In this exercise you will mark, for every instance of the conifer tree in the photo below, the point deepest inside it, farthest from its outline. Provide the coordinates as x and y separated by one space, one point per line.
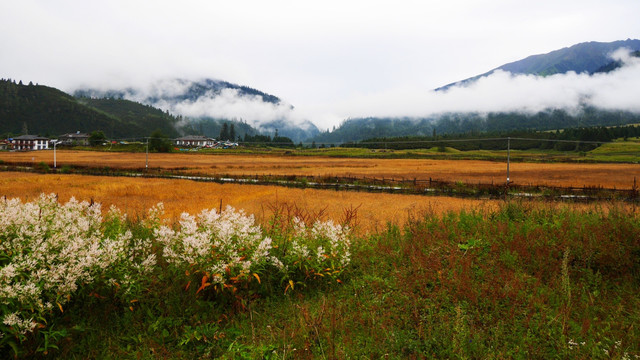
224 133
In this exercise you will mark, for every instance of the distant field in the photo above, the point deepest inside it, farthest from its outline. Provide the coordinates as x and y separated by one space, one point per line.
620 176
135 196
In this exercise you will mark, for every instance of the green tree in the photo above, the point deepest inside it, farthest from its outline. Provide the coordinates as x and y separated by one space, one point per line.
232 133
159 142
224 132
96 138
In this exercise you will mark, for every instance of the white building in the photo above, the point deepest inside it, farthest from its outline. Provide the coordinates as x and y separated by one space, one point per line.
195 141
30 142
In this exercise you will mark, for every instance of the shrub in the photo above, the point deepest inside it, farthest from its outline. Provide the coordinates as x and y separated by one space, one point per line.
51 253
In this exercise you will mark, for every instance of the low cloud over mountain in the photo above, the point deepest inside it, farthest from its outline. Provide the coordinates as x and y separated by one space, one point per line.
215 99
503 91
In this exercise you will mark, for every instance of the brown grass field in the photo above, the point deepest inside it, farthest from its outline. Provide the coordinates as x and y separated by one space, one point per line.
134 196
620 176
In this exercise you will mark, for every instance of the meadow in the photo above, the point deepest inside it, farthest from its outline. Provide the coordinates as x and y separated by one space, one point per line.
135 196
608 175
98 269
520 281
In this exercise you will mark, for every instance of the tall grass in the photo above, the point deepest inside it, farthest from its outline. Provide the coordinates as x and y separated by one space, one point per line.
522 281
519 282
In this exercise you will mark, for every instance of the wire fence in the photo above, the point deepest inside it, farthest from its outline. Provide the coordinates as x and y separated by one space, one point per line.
382 143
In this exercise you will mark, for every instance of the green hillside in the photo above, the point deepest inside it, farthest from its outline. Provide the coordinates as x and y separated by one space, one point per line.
614 64
585 57
135 114
48 111
212 127
465 123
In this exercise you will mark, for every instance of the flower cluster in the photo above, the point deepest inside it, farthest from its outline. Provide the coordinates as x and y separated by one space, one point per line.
52 252
49 252
324 243
221 245
318 250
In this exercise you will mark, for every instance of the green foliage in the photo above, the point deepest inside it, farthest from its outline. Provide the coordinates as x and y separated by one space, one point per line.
46 110
212 127
133 114
473 125
523 281
97 138
42 167
224 132
266 140
566 140
159 142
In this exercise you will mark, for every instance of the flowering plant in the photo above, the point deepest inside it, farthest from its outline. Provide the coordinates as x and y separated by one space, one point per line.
311 252
51 253
222 248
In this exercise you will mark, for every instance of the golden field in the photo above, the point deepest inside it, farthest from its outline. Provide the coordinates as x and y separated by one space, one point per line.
620 176
134 196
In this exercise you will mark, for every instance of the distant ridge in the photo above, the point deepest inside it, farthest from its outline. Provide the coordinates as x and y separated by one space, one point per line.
177 94
48 111
584 57
189 90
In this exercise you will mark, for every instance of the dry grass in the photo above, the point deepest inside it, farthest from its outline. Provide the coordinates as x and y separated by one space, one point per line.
620 176
135 196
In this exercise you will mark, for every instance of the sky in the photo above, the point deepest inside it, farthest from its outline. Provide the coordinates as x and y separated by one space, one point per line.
331 60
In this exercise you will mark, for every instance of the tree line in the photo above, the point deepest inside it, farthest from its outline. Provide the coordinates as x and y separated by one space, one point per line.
572 139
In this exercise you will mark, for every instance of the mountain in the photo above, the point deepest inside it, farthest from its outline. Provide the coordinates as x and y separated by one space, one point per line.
206 103
585 57
48 111
300 131
616 64
130 112
211 127
459 123
175 91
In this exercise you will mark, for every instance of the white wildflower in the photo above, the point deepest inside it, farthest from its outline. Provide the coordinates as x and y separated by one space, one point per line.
20 325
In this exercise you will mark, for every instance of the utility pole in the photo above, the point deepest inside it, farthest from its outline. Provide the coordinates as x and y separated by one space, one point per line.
146 165
508 157
54 154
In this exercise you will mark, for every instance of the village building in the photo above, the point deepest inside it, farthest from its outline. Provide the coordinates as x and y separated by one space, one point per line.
30 142
195 141
4 144
76 138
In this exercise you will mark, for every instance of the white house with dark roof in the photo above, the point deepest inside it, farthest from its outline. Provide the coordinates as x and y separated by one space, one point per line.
195 141
30 142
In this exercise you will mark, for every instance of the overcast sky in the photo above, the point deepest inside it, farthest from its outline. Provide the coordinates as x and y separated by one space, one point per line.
330 59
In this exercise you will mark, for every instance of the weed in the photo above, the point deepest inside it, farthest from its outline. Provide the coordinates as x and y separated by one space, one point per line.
516 282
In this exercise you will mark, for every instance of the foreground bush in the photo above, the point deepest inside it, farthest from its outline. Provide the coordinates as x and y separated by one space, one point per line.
52 254
524 281
527 281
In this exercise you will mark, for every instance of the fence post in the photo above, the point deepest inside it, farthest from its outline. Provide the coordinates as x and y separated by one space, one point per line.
508 157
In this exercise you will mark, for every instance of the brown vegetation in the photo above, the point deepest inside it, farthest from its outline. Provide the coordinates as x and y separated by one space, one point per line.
620 176
134 196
